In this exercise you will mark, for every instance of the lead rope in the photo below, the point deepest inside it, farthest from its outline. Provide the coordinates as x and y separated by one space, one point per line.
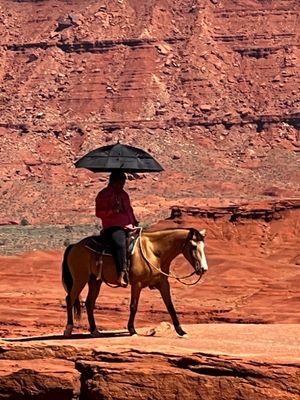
168 275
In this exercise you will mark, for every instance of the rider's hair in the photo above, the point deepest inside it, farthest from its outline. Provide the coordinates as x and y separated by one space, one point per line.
117 176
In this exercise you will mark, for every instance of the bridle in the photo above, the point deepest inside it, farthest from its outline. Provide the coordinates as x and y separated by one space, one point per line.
193 232
190 235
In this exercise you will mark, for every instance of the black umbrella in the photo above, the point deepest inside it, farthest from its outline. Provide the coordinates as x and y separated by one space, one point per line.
119 157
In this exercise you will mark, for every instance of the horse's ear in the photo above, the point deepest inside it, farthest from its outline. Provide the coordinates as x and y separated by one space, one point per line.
203 232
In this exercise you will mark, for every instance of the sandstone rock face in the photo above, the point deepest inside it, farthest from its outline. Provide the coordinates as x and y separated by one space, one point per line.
38 378
210 88
85 368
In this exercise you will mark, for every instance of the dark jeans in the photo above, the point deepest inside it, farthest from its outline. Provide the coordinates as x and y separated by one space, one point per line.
116 238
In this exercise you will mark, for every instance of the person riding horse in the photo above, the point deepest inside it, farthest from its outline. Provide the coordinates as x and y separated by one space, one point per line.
114 208
150 267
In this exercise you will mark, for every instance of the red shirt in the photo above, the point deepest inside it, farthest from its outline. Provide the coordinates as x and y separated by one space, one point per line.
114 208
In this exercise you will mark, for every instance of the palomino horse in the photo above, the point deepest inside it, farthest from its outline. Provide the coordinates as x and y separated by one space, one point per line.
150 266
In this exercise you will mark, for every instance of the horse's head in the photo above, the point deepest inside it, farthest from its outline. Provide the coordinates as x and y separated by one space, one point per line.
193 250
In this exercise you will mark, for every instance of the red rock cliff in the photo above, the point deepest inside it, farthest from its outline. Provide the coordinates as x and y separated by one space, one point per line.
210 88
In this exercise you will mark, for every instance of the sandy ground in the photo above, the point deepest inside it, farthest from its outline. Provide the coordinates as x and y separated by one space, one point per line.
273 343
250 280
242 321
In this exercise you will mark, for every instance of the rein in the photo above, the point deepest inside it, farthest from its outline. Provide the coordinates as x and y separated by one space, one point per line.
170 275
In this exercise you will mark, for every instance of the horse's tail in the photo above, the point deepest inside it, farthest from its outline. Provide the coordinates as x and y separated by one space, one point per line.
67 281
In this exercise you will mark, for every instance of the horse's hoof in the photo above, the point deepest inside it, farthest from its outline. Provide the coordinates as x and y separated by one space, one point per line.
96 333
68 331
181 332
184 336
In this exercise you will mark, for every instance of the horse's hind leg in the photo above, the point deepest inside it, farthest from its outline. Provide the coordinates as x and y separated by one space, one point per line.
94 289
69 327
72 300
135 295
164 288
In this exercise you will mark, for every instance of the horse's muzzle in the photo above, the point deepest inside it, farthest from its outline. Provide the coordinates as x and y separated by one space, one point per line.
199 270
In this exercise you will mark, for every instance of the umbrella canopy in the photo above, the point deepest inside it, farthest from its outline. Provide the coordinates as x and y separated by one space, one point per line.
119 157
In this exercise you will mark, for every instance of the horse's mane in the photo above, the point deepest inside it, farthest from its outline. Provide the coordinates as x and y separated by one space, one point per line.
166 230
191 231
169 229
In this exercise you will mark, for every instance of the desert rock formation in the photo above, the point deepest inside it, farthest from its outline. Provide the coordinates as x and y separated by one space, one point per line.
210 88
185 369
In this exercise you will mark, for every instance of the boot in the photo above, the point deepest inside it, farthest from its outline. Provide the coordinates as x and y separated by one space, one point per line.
122 279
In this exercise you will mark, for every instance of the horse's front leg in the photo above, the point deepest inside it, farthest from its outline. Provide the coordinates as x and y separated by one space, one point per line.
135 295
93 292
164 288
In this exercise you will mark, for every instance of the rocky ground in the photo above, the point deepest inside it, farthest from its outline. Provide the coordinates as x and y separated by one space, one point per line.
226 363
15 239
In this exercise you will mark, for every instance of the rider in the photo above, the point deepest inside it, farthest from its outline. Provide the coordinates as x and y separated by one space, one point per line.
114 208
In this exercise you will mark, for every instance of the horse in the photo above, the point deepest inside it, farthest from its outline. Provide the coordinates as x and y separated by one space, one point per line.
150 267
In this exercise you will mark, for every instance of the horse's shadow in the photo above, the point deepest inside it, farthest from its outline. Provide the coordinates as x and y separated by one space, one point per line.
75 336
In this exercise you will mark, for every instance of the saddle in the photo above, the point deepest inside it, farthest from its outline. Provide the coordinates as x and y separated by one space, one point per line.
98 245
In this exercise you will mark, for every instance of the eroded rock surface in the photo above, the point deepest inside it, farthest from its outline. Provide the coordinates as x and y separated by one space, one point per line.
215 362
210 88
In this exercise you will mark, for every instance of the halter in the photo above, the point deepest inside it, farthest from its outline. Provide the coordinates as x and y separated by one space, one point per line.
190 235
